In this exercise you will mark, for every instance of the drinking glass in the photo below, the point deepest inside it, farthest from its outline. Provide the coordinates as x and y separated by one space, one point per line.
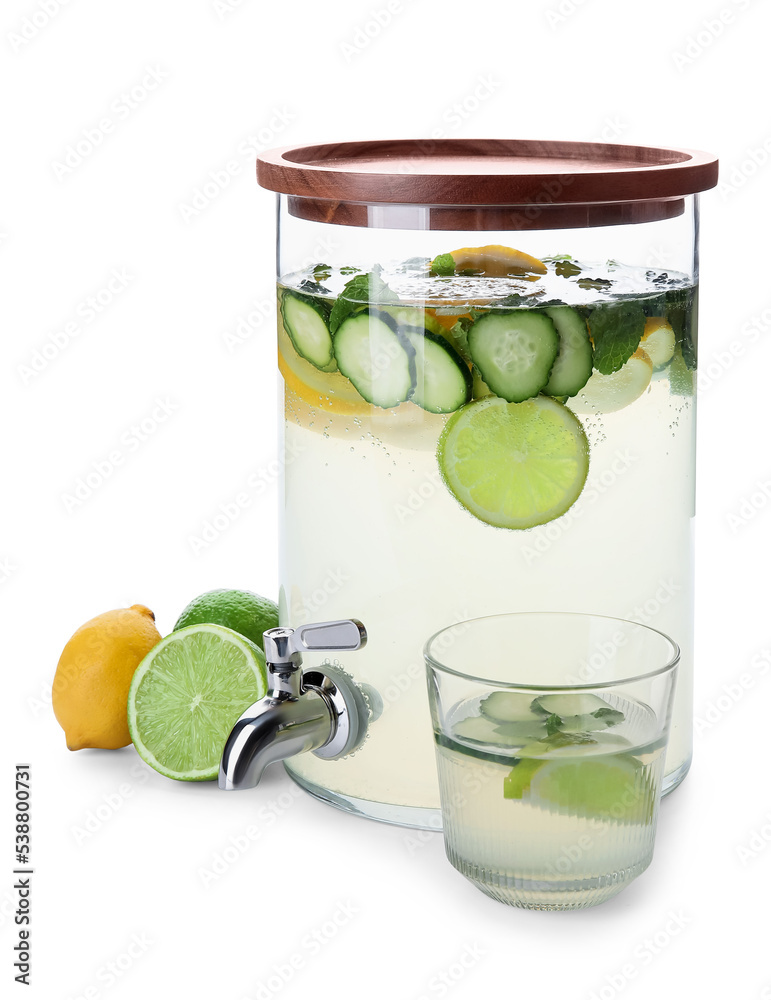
550 733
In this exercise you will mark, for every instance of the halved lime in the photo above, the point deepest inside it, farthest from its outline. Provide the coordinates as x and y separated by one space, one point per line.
186 696
514 465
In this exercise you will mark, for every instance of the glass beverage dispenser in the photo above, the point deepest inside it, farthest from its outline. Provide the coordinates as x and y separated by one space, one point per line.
488 367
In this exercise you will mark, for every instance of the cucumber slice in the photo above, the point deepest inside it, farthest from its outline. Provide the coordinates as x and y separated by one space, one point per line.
508 706
478 729
573 366
379 363
306 324
591 722
566 705
514 352
504 734
658 341
442 379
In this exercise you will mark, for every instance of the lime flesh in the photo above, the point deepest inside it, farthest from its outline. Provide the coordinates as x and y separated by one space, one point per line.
186 696
514 465
604 788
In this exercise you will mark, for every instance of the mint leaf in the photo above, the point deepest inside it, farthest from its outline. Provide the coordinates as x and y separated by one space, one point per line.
349 269
616 330
459 334
553 724
358 293
566 269
312 287
681 315
443 265
598 283
610 716
321 272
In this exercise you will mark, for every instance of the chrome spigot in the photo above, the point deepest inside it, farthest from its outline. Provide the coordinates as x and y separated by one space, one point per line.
321 710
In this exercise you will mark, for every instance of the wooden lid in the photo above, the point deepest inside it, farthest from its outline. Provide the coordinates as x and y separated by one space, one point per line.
475 183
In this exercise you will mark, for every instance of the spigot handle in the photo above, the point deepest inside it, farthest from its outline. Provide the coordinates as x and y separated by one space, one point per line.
340 635
286 645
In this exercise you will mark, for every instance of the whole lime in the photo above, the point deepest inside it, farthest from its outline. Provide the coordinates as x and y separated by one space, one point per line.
243 611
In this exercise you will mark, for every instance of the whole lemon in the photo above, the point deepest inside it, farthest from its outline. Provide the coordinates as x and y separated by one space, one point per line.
92 681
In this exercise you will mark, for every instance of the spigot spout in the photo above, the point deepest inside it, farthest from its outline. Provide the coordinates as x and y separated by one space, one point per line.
271 730
319 711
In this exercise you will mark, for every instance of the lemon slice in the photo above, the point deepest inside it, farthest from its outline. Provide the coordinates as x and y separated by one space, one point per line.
658 341
495 261
514 465
608 393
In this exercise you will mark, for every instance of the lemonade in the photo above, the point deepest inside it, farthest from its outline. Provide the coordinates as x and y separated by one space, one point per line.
479 433
551 820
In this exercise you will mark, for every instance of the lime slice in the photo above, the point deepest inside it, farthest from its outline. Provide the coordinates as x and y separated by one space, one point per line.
186 696
609 787
514 465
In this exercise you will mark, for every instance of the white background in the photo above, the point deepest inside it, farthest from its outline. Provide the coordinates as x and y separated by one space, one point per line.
118 850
